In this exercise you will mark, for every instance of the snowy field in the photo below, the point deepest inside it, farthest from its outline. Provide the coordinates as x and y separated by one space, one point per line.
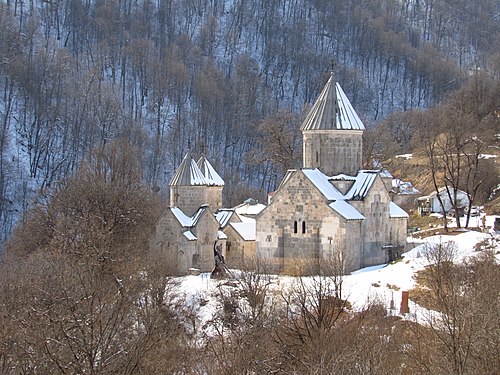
381 283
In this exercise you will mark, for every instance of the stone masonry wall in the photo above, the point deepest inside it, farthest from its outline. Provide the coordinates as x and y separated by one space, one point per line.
239 253
206 231
177 251
333 151
399 229
376 230
291 229
344 237
162 244
213 197
188 198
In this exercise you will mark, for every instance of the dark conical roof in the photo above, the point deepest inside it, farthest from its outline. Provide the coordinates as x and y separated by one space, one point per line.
188 173
332 111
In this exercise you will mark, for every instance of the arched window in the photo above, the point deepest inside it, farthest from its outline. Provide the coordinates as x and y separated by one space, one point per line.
317 157
303 227
295 226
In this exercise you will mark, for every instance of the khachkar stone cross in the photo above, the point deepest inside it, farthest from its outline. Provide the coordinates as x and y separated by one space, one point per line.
220 269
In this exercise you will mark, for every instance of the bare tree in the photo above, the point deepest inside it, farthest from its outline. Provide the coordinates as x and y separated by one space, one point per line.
88 297
312 316
454 138
459 331
248 307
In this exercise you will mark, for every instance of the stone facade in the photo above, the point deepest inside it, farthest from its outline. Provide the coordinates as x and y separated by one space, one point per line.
182 251
333 151
330 210
190 198
288 228
300 227
187 231
239 252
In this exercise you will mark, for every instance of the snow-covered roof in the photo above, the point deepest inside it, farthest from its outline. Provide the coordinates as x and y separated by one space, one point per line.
189 235
185 220
363 182
362 185
384 173
188 174
212 178
246 229
396 211
221 235
332 111
346 210
320 180
249 209
404 187
223 216
442 191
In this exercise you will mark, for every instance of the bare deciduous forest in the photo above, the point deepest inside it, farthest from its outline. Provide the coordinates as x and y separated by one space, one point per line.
215 76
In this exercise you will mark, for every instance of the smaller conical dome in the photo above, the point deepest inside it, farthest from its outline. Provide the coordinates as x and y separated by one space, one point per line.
212 178
188 173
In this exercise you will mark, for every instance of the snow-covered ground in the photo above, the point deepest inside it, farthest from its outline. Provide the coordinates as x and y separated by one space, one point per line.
382 283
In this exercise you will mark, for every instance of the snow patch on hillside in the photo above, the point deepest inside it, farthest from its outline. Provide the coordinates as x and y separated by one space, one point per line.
405 156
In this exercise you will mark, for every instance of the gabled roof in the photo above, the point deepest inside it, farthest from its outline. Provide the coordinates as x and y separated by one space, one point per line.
246 229
339 202
249 208
442 192
363 182
185 220
223 216
362 185
332 111
320 180
395 211
188 174
212 178
347 211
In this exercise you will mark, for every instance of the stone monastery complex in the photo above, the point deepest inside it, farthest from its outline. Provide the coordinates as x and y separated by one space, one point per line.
329 210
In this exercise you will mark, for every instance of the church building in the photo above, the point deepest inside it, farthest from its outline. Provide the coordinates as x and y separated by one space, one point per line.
331 209
195 222
188 229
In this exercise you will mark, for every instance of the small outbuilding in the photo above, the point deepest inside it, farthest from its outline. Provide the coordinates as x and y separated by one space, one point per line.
430 203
